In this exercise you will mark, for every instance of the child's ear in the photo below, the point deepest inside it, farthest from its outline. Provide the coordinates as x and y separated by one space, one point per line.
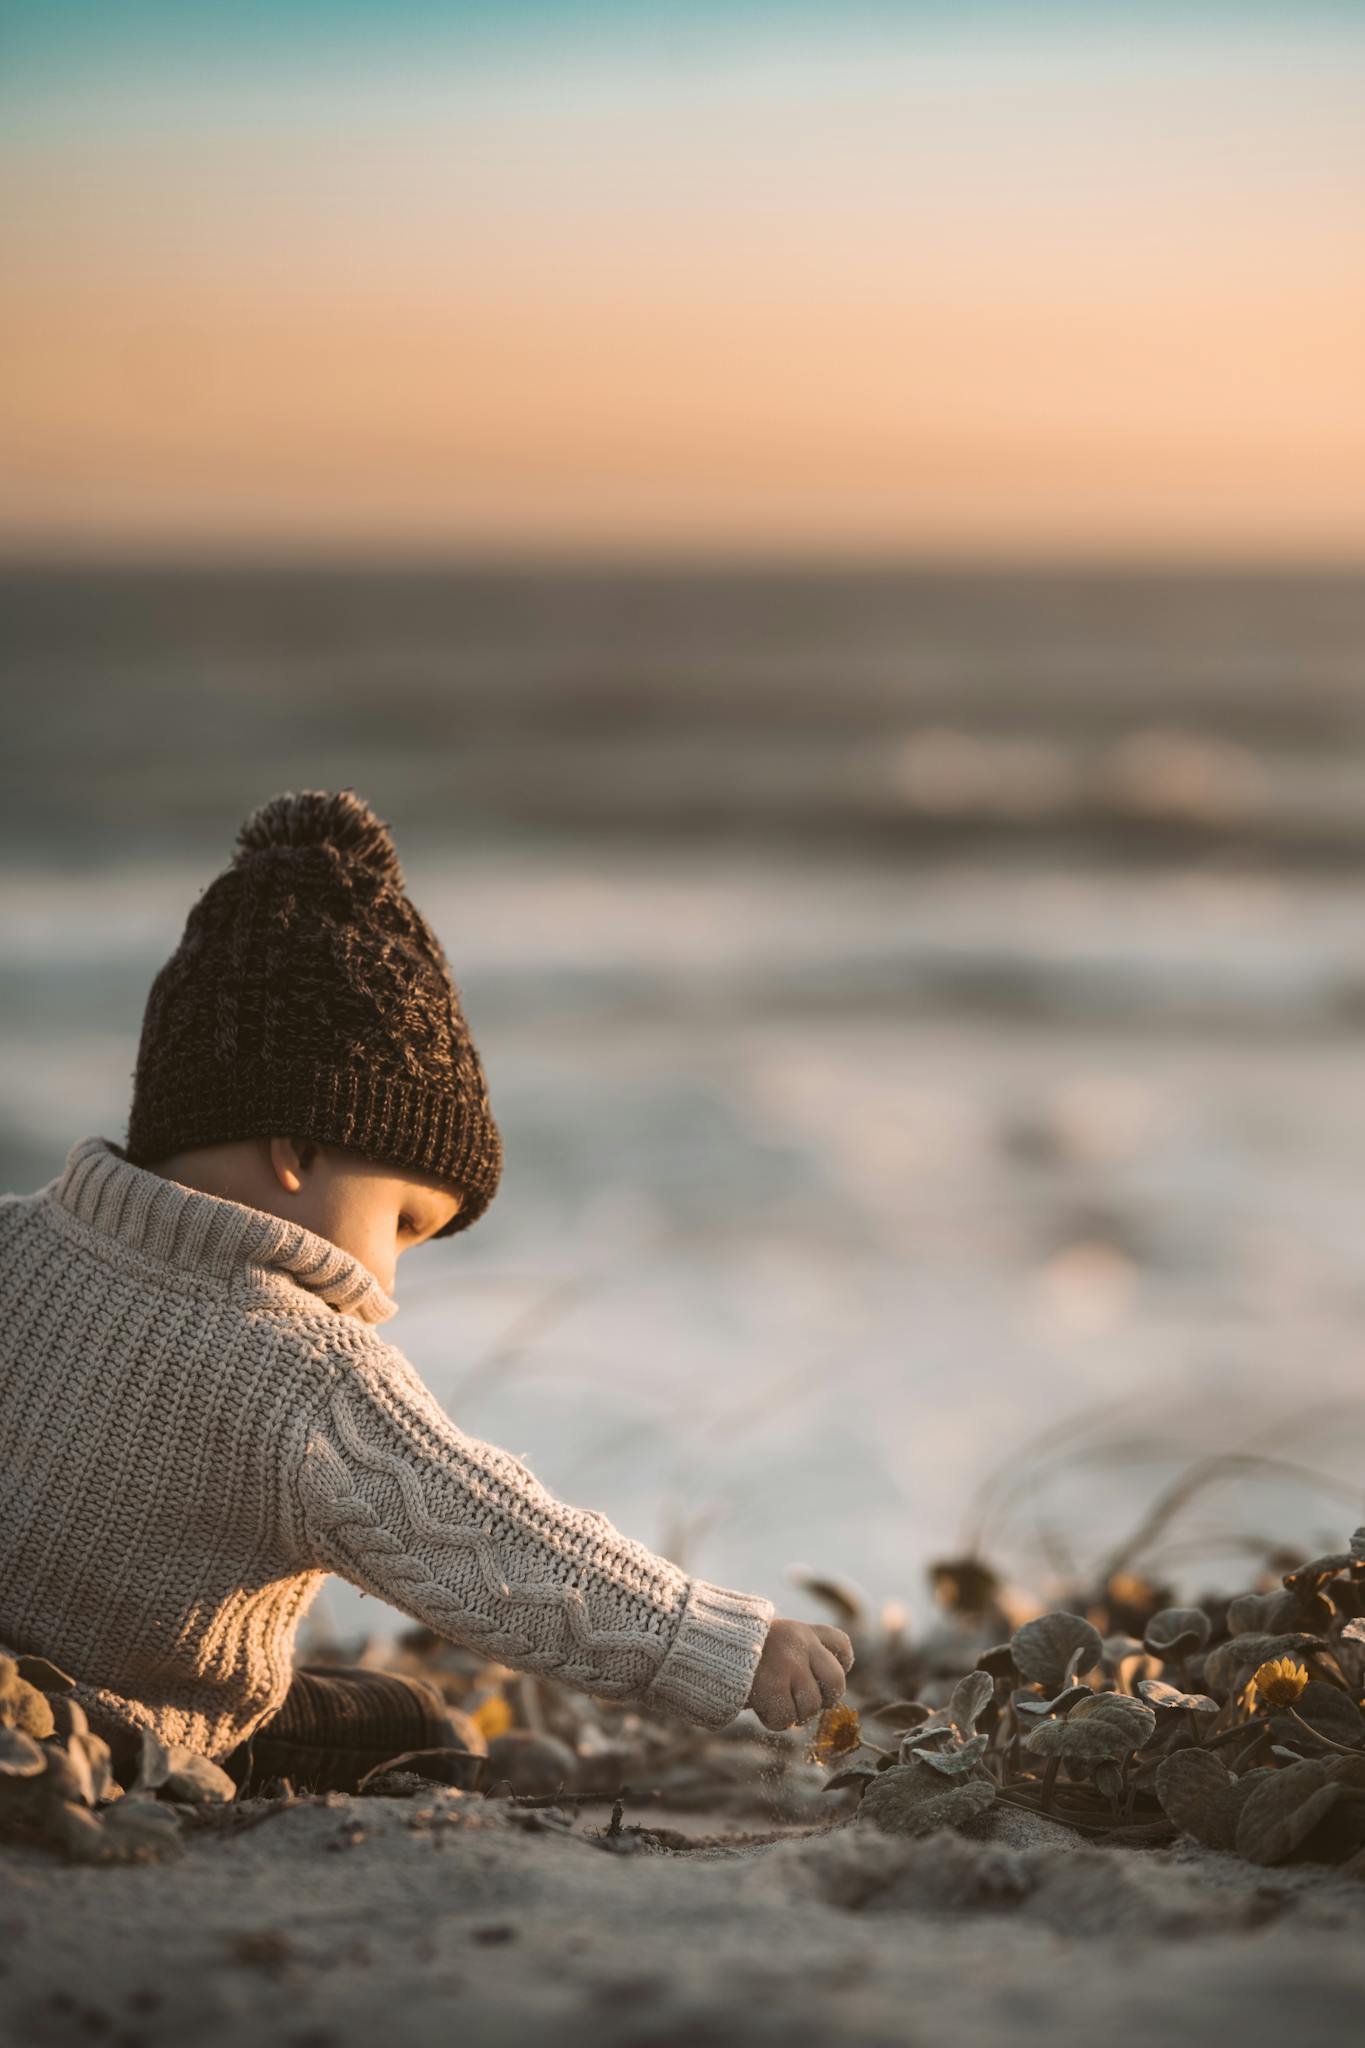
290 1158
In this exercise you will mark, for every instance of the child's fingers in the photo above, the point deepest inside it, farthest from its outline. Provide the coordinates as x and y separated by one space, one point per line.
836 1641
806 1697
774 1705
828 1674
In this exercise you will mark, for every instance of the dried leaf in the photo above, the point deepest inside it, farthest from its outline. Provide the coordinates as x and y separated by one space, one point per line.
1056 1648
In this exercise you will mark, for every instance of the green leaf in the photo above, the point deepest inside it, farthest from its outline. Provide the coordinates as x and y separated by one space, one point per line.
1055 1648
971 1696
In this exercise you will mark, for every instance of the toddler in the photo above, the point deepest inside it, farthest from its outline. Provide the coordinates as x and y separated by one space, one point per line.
200 1417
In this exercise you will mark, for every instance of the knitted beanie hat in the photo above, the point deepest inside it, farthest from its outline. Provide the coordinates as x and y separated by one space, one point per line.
309 998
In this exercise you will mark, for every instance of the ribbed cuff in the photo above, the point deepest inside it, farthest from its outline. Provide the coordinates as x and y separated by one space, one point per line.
397 1119
706 1676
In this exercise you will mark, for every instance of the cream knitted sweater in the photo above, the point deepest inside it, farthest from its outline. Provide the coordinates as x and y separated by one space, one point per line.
199 1420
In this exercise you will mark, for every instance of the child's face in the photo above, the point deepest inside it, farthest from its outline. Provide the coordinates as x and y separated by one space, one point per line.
375 1213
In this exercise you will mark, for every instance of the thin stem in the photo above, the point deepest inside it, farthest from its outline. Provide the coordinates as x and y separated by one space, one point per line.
1345 1748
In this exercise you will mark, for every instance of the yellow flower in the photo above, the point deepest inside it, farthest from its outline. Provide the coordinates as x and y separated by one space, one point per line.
836 1732
493 1717
1280 1682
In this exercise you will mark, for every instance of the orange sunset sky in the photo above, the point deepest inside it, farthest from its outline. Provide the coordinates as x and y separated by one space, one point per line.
1009 280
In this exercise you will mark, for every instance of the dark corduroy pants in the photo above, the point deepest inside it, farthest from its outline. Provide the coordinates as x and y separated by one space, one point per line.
338 1722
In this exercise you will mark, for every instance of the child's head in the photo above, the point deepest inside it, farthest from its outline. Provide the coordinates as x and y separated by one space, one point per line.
308 995
373 1211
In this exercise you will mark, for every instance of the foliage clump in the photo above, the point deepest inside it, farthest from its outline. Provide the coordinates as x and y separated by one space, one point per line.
1204 1724
57 1784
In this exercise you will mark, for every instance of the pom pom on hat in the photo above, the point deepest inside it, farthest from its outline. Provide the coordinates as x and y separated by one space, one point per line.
318 817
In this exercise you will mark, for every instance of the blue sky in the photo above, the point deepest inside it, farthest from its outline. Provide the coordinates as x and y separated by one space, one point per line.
41 39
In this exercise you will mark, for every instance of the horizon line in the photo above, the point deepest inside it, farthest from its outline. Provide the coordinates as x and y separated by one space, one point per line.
441 560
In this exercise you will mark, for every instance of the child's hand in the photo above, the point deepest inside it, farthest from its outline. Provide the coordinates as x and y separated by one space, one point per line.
802 1669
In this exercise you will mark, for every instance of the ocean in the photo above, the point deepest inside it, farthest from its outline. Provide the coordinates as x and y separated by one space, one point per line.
924 1008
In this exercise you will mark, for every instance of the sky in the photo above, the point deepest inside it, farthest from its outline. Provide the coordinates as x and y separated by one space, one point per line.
867 277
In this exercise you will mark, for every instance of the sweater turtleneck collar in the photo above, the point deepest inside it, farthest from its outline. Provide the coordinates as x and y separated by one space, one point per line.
205 1233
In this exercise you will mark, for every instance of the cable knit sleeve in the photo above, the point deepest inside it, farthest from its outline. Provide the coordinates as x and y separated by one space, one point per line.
459 1534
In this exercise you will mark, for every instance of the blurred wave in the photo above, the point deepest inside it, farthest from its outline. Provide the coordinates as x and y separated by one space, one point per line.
1124 715
919 1006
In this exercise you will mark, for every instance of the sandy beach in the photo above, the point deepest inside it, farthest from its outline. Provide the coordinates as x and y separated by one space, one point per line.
440 1916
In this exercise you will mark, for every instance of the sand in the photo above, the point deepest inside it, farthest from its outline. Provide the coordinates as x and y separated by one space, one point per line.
441 1918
